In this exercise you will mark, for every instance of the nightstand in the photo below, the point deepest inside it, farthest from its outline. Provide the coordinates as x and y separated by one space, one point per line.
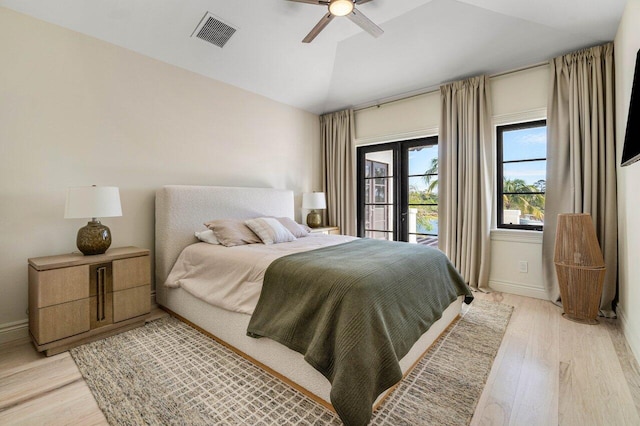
329 230
74 299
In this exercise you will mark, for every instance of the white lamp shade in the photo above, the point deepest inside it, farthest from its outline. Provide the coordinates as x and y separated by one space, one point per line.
313 201
92 201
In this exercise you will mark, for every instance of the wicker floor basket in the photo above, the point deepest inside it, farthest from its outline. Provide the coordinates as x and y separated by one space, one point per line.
580 290
579 266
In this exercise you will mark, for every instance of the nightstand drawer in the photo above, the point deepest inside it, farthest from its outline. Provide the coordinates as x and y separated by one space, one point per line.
57 286
133 272
60 321
131 303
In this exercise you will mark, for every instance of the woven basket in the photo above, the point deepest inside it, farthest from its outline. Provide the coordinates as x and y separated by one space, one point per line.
579 266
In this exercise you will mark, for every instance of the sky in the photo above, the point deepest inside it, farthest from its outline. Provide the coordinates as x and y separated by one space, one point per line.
525 144
420 162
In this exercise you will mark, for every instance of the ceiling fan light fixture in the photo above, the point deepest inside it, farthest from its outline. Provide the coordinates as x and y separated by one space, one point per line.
340 7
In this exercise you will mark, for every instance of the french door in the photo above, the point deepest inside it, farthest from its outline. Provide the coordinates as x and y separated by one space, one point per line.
398 191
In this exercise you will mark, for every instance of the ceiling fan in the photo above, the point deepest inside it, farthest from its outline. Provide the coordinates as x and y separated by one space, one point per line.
341 8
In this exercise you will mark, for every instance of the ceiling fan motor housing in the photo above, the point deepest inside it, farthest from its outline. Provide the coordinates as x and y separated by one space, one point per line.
340 7
345 8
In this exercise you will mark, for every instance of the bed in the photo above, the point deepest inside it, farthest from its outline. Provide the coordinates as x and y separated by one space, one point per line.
181 210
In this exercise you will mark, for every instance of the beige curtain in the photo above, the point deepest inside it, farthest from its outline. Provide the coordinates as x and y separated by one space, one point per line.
465 178
339 169
581 161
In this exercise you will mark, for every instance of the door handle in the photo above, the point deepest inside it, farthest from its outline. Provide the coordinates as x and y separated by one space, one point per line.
101 291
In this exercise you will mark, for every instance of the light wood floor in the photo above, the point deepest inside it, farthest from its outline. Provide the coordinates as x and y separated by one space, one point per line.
548 371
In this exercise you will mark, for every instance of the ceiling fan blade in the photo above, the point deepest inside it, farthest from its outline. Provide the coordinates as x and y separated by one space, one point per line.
365 23
319 27
318 2
359 2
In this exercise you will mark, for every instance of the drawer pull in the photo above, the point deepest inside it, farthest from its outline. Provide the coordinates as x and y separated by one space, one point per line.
101 291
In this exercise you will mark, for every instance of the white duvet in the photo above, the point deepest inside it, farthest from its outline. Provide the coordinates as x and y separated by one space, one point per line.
231 277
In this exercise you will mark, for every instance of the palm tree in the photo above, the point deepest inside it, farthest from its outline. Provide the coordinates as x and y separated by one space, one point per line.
520 197
541 185
426 196
428 178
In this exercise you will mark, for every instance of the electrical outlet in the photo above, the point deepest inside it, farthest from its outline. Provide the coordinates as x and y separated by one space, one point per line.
523 266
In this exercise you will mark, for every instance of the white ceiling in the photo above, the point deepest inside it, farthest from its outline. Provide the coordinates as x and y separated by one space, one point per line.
426 42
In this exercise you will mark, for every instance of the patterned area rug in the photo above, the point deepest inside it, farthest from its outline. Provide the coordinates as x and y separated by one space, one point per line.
169 373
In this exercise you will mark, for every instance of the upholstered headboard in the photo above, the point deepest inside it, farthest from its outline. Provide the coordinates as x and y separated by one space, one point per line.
181 210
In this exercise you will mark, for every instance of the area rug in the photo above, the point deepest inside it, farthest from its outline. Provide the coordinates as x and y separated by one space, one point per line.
169 373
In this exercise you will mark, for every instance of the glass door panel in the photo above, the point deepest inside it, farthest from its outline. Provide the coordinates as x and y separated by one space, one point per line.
422 194
379 217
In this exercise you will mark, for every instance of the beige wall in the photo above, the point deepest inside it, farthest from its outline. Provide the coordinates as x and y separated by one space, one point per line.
519 96
627 43
78 111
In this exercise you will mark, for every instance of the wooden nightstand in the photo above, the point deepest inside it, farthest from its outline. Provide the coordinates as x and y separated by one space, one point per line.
329 230
74 299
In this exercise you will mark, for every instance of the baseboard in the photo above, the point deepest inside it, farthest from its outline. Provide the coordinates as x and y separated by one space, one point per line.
519 289
632 336
14 332
154 304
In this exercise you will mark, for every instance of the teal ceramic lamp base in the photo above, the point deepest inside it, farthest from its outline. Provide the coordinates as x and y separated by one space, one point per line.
95 238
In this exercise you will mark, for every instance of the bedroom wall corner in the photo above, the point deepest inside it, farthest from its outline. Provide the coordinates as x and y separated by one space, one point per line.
79 111
627 43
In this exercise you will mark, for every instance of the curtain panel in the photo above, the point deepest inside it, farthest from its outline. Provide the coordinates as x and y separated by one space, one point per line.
465 178
338 161
581 160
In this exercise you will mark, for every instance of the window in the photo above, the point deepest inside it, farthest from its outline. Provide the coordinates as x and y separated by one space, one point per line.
522 169
398 191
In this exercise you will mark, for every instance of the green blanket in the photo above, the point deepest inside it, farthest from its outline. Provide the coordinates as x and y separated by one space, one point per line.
354 310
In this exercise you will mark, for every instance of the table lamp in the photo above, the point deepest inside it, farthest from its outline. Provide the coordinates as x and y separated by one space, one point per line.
314 201
93 202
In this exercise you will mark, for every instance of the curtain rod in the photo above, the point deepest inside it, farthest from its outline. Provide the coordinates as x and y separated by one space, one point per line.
431 89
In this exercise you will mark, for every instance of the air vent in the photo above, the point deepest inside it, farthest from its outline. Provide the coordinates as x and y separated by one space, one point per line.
212 29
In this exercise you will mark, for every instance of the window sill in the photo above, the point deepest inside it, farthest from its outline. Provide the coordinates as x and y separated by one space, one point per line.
516 235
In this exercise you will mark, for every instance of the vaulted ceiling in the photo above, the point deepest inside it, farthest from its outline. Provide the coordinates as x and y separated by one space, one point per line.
425 42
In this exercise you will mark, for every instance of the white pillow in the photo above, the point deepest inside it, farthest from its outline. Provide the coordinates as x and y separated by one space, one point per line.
295 228
207 237
269 230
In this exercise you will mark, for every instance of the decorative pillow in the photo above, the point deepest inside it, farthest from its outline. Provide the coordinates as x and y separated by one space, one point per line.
270 230
295 228
207 237
232 232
